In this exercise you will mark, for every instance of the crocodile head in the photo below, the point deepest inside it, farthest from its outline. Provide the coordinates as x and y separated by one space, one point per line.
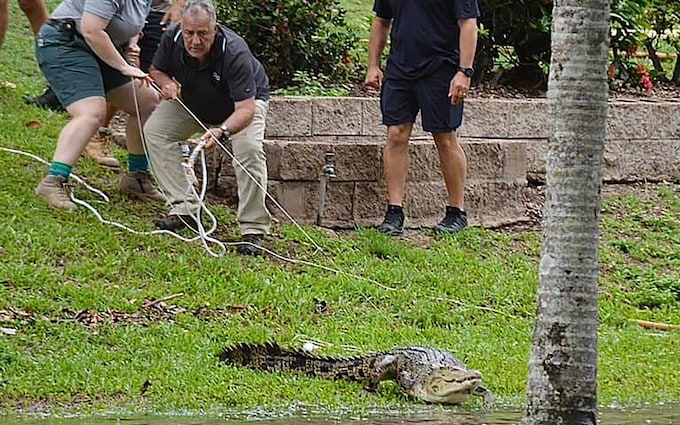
447 385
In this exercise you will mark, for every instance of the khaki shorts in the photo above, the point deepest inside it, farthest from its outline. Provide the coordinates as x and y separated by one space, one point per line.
71 68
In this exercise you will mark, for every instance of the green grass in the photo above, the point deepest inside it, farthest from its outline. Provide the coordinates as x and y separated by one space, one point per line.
359 14
472 294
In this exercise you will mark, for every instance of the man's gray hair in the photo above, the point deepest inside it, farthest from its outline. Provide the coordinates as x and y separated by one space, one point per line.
193 7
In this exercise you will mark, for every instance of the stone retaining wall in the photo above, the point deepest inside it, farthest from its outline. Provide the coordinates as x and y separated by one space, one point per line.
505 141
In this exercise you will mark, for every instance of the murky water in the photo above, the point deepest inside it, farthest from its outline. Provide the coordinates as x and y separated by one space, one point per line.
651 415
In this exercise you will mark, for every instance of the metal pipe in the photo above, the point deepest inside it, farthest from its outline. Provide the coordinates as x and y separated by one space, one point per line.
327 172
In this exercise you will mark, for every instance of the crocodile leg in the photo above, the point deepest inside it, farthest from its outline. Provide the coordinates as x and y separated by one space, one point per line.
484 393
406 382
383 369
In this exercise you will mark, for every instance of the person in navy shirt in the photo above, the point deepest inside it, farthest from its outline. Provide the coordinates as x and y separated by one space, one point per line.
429 67
218 80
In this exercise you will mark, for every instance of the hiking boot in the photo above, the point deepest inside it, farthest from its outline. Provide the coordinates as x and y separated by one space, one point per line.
251 244
119 138
138 184
99 149
393 224
117 125
52 189
46 100
174 222
454 221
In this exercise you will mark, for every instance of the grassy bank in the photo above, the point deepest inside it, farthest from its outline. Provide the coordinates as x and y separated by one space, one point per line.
85 327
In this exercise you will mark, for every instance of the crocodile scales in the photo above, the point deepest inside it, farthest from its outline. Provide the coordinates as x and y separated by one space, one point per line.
428 374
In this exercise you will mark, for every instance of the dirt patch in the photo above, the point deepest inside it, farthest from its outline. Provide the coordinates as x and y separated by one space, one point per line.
666 92
151 311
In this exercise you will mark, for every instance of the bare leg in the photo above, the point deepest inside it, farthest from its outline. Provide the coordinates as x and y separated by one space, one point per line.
138 101
36 12
4 20
86 115
453 164
129 100
110 112
396 160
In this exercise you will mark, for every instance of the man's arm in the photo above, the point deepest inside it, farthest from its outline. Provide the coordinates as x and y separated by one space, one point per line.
244 111
36 12
4 20
379 31
460 84
172 15
468 41
170 88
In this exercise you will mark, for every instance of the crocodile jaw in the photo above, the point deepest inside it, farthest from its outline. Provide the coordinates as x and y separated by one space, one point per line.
449 386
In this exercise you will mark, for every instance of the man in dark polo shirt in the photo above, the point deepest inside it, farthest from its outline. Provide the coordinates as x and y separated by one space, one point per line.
432 47
212 71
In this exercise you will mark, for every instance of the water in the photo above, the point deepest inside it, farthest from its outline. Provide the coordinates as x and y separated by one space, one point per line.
649 415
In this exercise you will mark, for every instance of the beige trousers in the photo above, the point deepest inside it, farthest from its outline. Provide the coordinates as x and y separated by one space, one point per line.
171 123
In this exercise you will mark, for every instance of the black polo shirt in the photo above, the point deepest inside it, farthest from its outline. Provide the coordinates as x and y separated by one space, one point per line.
210 89
424 34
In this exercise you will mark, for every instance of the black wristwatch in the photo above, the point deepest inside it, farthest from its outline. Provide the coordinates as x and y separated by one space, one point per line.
226 135
469 72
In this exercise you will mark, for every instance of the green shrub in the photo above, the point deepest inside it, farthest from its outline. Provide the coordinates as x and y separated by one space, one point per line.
306 84
290 36
627 27
515 37
515 34
664 20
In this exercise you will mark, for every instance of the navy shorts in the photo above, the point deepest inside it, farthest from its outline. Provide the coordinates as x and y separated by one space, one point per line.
400 101
71 68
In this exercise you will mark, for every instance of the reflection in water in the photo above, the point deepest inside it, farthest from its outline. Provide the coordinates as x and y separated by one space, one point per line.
653 415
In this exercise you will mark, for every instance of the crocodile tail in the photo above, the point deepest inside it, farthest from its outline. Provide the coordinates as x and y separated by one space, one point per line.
271 357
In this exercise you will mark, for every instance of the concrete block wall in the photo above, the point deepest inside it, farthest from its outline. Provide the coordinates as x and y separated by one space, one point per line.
505 142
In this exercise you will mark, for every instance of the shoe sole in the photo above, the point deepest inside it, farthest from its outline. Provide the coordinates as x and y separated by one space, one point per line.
101 164
69 209
110 167
143 198
176 229
441 231
252 253
392 232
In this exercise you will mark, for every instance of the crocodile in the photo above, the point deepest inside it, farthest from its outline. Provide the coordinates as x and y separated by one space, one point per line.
428 374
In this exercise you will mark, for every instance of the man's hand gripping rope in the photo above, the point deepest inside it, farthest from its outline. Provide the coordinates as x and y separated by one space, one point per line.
207 142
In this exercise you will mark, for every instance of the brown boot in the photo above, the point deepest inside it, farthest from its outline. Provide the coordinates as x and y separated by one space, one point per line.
99 149
51 189
138 184
119 138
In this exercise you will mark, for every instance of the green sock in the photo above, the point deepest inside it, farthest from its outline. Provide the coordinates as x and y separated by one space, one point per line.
137 162
59 169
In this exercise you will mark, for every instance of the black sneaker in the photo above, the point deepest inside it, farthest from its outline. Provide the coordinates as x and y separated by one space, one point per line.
251 244
174 222
393 224
46 100
454 221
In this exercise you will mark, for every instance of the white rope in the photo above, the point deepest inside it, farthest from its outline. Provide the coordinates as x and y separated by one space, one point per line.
75 177
242 167
203 234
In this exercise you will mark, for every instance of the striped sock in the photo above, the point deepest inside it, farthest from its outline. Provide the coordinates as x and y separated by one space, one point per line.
59 169
137 162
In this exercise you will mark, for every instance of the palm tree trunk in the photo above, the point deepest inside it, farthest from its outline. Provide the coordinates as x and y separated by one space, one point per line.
562 387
